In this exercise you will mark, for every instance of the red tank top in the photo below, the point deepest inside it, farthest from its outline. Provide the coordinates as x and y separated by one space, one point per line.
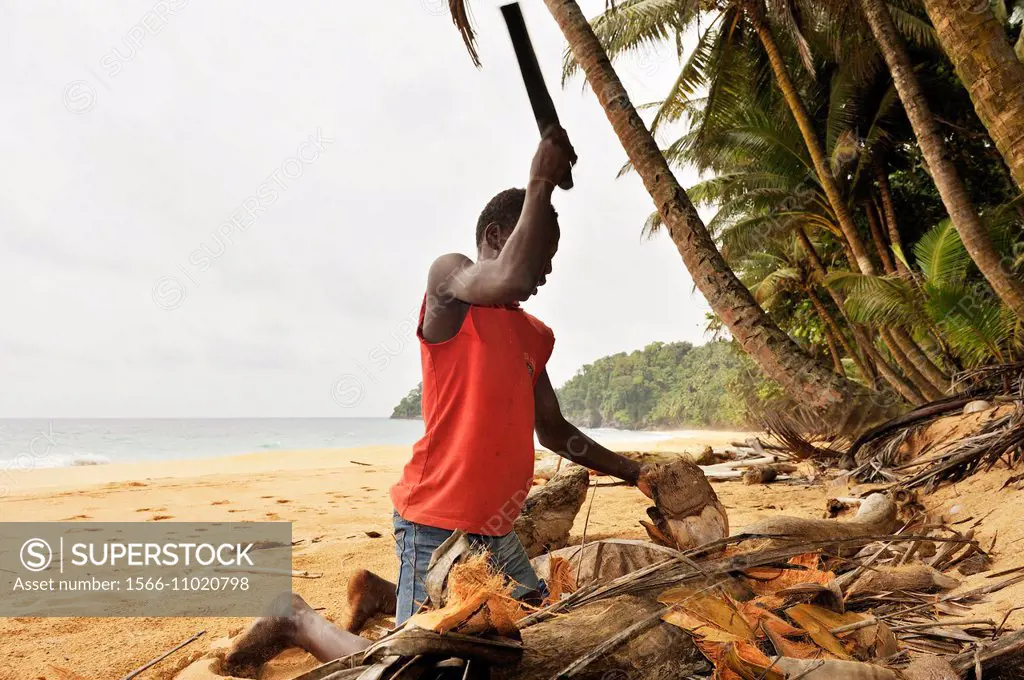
474 465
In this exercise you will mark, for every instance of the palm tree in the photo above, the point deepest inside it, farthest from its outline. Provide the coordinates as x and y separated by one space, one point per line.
761 190
807 381
725 42
976 43
944 297
733 50
950 185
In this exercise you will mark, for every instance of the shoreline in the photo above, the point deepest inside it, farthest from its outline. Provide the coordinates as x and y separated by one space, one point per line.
14 472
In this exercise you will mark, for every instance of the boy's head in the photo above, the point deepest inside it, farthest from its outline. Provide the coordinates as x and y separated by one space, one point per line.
497 221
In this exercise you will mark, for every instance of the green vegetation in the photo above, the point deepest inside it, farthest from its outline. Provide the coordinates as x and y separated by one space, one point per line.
829 205
663 385
666 385
410 407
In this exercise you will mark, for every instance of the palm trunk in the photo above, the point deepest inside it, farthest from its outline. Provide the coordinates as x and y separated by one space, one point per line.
830 328
976 43
927 390
859 358
808 383
755 13
938 380
947 180
917 356
876 235
904 387
891 223
833 350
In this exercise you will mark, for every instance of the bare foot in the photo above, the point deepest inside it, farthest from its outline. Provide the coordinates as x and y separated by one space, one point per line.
267 637
368 595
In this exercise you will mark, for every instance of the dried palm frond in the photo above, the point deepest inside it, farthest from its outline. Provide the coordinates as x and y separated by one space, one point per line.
1001 377
793 442
463 21
1000 436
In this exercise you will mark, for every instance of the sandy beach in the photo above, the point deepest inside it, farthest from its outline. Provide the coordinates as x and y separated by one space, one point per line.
333 497
331 500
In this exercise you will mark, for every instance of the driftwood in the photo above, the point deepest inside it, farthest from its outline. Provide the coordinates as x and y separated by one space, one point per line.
760 474
875 517
663 652
138 671
687 512
917 578
550 510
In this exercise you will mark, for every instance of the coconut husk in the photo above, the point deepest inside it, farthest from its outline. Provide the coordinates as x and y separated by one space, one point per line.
661 652
820 669
687 511
599 562
478 600
550 510
929 668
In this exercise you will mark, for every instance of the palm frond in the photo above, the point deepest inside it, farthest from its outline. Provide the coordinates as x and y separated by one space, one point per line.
941 255
981 331
803 48
459 9
879 300
695 72
651 225
635 24
914 28
778 281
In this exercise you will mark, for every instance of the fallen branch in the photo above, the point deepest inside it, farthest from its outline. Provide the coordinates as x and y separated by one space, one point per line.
268 570
150 664
876 516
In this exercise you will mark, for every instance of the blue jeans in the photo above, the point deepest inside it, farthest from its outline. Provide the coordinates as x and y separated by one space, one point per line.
415 543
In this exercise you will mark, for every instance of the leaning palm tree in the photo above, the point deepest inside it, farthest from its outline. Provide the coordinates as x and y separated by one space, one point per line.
963 214
976 42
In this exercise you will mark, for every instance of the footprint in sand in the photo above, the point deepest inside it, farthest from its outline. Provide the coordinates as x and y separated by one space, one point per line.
143 509
266 496
74 517
220 502
283 500
235 510
272 515
157 518
136 484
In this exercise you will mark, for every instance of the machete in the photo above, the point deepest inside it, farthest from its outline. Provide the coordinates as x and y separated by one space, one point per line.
540 99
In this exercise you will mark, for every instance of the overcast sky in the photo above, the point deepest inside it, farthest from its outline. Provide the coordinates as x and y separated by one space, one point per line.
229 208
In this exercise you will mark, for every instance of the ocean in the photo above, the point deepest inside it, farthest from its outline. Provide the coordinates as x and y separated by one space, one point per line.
33 444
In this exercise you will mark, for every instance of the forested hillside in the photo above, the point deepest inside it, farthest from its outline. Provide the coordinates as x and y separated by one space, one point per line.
661 386
665 385
410 406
